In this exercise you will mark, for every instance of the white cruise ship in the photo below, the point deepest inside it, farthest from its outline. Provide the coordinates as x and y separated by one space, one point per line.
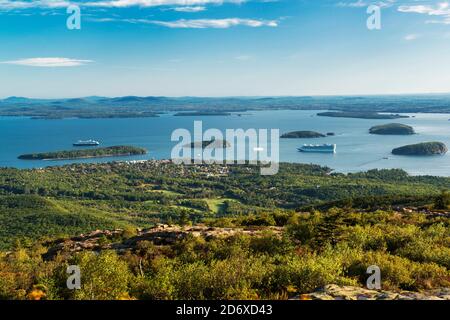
86 143
324 148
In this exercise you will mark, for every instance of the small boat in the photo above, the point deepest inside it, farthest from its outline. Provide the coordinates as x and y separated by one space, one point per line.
323 148
86 143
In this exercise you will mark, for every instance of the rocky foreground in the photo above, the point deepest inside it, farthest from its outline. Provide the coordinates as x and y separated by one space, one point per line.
335 292
162 234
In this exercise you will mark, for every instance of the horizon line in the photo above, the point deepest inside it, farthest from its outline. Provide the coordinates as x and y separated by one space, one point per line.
238 96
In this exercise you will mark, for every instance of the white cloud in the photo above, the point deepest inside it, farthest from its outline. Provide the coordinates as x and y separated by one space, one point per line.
48 62
365 4
243 58
446 20
411 37
10 5
198 23
190 9
356 4
156 3
103 19
216 23
441 10
21 4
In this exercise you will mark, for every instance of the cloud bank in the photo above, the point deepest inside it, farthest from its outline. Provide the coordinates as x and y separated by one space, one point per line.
198 23
48 62
441 10
52 4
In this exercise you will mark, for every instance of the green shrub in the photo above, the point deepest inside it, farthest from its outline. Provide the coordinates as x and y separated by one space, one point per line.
401 273
313 271
103 276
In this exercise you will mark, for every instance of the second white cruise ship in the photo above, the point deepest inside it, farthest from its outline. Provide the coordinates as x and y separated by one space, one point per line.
86 143
324 148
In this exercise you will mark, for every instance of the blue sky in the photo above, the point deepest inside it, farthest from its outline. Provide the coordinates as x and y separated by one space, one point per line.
223 48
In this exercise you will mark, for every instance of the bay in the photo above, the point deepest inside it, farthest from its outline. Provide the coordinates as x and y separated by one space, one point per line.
357 150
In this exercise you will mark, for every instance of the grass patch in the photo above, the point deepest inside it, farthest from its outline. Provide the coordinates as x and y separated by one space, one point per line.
217 205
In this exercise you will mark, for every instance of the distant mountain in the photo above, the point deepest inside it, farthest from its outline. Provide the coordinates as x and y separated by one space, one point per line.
156 98
17 100
23 100
77 100
127 99
373 107
94 98
134 99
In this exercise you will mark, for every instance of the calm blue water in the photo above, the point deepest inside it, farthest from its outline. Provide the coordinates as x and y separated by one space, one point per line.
357 150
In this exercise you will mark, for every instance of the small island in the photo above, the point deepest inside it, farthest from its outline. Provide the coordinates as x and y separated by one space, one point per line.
422 149
392 129
208 144
115 151
302 134
360 115
201 113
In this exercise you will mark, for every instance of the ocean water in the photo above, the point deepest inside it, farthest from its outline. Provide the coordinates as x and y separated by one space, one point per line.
357 150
